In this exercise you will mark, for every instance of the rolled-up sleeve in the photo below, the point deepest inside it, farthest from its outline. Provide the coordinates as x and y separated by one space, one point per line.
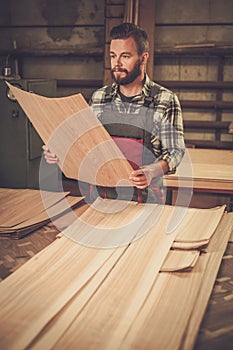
168 140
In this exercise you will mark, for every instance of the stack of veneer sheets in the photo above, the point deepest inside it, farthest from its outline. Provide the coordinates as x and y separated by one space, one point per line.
122 276
23 210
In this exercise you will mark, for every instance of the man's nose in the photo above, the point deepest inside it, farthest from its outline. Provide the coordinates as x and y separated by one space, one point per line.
118 61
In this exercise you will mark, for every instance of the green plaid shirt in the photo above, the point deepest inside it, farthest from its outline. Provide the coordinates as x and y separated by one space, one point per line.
167 135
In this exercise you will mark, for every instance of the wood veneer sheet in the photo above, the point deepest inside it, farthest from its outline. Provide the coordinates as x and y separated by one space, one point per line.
38 290
216 250
178 301
111 223
19 205
207 220
190 245
59 209
72 131
55 276
114 306
176 260
85 330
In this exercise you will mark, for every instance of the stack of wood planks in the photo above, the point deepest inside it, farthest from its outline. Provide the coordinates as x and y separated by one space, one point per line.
25 210
148 291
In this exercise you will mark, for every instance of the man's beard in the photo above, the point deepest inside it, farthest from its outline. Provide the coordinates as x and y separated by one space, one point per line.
130 76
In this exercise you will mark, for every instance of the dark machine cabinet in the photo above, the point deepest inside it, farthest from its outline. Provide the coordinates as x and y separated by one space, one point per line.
20 145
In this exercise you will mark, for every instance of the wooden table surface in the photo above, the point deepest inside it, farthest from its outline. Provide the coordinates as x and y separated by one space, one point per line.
210 171
216 330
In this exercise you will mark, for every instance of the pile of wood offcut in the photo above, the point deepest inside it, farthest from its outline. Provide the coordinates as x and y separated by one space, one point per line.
25 210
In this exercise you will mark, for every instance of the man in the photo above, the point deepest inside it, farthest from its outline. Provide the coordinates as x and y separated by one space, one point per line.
144 118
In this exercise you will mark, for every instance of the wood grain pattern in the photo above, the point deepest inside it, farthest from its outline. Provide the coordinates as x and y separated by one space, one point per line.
178 260
177 299
51 333
39 207
95 298
206 165
215 251
126 287
13 200
56 278
71 130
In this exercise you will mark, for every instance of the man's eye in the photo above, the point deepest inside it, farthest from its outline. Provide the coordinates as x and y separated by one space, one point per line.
112 56
125 56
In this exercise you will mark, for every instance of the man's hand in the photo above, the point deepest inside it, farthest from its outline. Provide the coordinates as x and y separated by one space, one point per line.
140 178
49 157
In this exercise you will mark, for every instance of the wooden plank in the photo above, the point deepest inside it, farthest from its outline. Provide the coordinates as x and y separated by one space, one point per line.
72 131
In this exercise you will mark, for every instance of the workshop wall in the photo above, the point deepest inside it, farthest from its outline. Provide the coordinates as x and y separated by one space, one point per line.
61 39
64 40
195 42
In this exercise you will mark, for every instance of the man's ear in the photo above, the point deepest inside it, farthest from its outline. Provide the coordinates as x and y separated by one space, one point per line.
145 57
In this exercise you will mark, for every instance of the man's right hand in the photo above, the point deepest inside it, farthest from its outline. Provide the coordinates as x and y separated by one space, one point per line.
50 158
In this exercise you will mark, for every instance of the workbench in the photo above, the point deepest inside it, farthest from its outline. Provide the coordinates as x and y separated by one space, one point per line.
208 173
216 330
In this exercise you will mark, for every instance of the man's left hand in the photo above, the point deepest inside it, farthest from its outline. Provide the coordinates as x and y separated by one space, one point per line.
140 178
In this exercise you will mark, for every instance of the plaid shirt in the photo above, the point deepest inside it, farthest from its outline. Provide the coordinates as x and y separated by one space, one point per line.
167 135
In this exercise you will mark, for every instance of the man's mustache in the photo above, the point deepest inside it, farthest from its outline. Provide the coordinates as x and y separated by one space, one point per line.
119 70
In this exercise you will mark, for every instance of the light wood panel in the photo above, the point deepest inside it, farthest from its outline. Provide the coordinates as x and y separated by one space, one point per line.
72 131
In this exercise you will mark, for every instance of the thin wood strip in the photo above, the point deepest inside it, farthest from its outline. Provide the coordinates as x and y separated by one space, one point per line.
81 334
62 321
127 287
193 245
48 292
177 297
60 261
52 332
175 260
28 226
13 200
74 262
123 223
216 250
231 237
64 125
56 209
208 220
178 260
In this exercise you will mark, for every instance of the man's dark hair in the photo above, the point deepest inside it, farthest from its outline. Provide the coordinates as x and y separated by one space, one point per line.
129 30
